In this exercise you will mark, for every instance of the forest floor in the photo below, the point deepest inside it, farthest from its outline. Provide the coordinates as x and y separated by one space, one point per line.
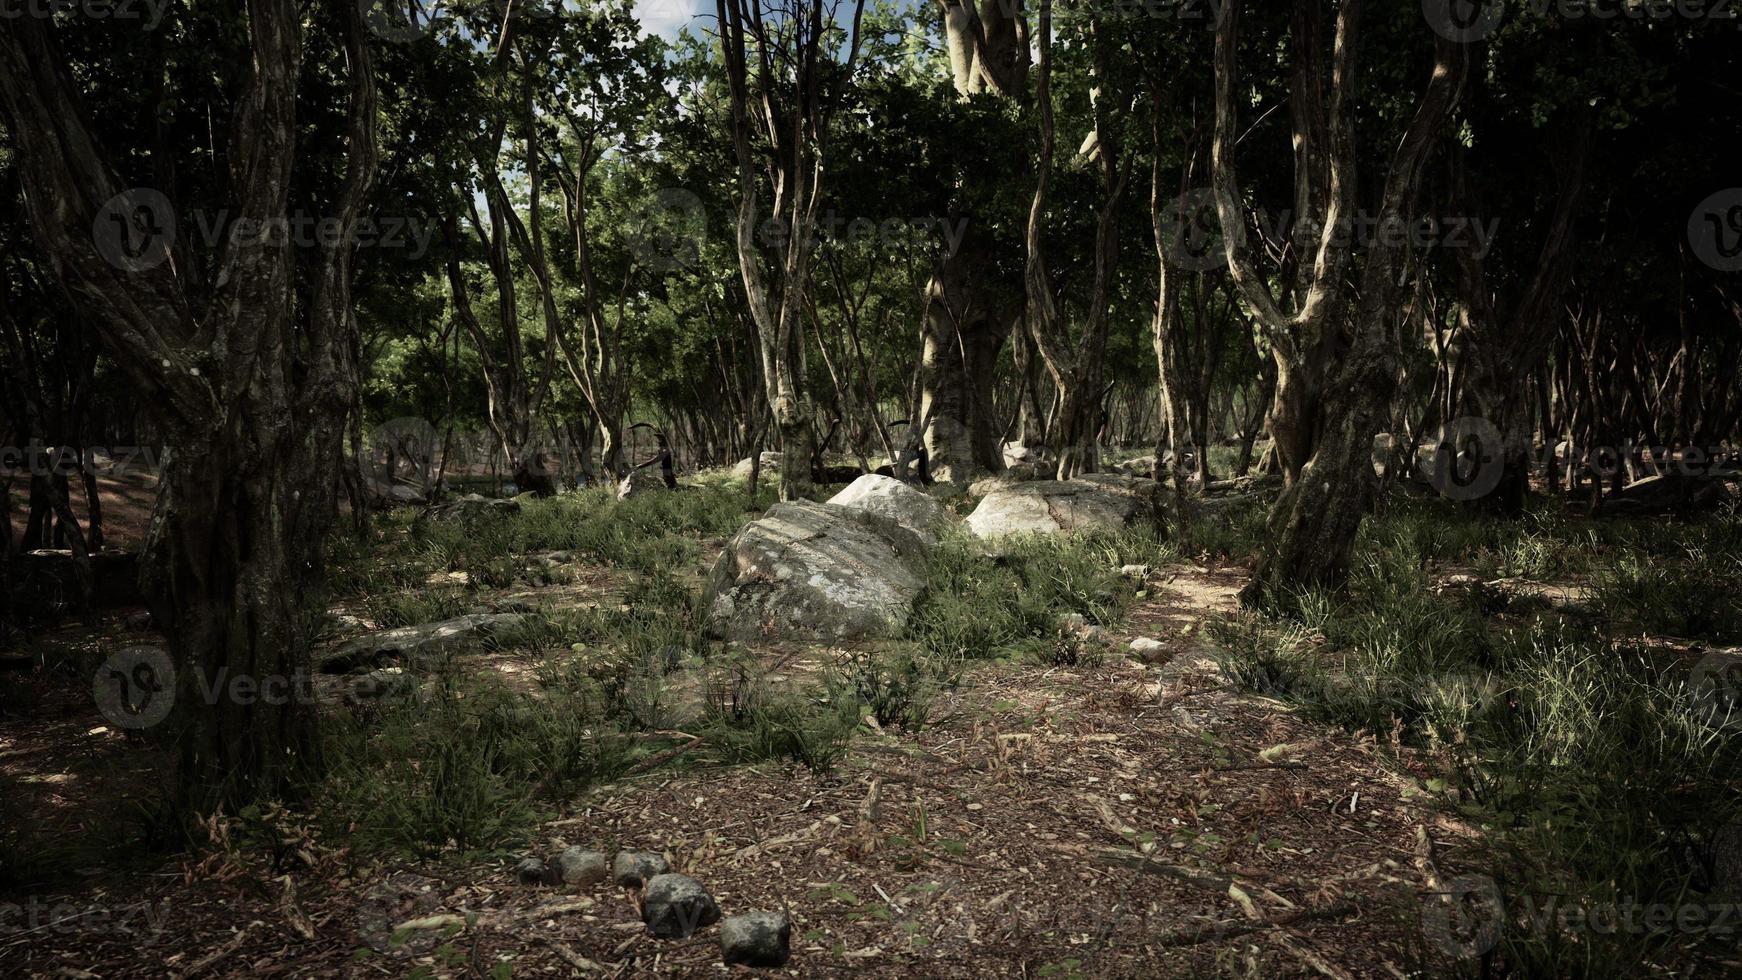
1202 810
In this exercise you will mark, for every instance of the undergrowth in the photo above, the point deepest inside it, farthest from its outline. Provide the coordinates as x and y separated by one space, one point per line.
1600 769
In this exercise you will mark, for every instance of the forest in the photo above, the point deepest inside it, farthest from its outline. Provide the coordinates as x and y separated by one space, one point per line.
874 488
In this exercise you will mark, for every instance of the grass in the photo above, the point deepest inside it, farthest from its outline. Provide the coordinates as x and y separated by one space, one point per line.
642 534
1597 769
975 608
467 762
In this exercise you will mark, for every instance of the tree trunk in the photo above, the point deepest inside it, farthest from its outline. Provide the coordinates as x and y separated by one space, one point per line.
1313 523
966 321
970 306
252 402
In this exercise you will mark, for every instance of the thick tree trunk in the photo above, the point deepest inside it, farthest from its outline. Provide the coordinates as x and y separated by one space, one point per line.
1294 409
251 400
1312 525
226 582
967 318
970 306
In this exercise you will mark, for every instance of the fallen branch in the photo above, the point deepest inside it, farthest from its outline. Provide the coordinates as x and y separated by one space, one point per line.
569 956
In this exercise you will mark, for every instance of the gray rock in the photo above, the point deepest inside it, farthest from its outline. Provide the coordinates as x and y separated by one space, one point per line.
383 496
757 939
631 868
580 867
1099 500
675 906
471 507
533 871
815 571
890 498
1143 466
410 644
1149 650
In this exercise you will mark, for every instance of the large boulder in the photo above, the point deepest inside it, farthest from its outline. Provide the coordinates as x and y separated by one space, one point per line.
1103 500
380 495
890 498
410 644
817 571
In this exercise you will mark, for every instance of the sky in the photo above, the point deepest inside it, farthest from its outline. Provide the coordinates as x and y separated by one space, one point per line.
666 17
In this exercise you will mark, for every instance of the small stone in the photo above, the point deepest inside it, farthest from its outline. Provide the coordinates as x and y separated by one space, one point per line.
676 906
1149 651
631 868
533 871
580 867
757 939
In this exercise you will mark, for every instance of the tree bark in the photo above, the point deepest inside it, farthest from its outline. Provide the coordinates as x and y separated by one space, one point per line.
1076 366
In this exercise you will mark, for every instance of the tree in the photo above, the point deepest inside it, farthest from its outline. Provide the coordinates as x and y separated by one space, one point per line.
977 293
249 380
1076 368
1313 523
797 83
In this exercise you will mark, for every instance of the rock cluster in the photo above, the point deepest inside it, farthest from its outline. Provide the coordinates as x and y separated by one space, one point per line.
673 906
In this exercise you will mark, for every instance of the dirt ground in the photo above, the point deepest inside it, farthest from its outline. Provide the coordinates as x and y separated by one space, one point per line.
1119 819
